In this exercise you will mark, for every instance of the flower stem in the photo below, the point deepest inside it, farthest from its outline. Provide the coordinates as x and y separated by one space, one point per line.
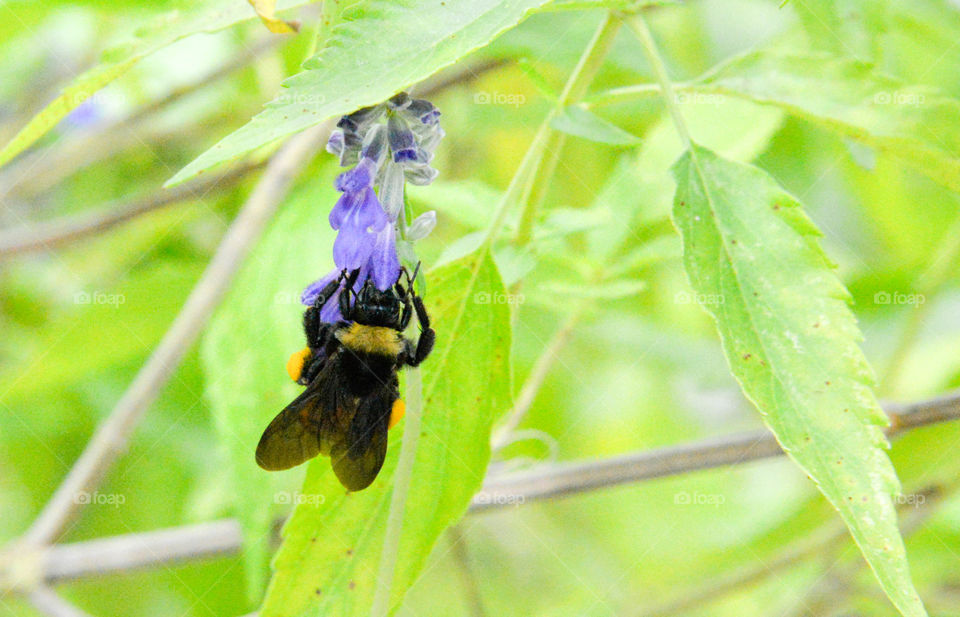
573 90
639 27
576 87
398 499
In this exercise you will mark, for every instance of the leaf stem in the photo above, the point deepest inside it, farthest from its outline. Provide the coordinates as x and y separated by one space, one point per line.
577 84
639 27
398 499
576 87
625 94
928 284
541 368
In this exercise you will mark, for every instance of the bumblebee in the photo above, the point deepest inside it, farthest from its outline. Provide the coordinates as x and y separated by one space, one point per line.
350 370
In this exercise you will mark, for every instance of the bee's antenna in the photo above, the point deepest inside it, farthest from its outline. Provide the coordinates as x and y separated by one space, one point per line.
411 279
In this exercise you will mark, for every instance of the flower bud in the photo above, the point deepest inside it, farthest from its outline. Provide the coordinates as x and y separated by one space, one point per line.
421 226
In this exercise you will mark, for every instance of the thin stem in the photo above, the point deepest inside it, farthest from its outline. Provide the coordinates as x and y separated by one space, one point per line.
48 602
461 554
519 181
827 593
537 190
928 284
626 94
541 368
814 544
49 234
398 499
561 479
575 87
39 171
111 437
131 551
639 27
824 541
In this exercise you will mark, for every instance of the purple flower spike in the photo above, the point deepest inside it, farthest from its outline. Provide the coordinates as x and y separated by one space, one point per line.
385 153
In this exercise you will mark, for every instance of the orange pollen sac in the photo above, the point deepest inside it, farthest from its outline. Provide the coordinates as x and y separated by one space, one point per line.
296 362
396 414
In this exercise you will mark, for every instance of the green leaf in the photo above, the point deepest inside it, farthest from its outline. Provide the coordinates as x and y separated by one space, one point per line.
916 125
580 122
639 189
162 31
244 354
332 544
791 342
380 47
131 316
845 27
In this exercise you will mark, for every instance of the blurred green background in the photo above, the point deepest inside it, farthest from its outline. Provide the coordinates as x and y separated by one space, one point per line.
638 372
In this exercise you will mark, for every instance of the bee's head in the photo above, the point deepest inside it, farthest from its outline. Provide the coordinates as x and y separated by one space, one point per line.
373 307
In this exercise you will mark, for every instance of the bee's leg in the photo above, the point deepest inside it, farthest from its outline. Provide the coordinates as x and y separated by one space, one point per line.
329 343
346 305
406 314
414 355
327 292
313 327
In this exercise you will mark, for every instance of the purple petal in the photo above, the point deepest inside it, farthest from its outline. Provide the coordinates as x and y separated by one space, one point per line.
336 142
330 313
355 241
405 155
424 111
357 178
309 295
384 264
343 207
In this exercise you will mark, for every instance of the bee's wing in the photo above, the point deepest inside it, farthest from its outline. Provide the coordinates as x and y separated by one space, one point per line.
295 435
357 460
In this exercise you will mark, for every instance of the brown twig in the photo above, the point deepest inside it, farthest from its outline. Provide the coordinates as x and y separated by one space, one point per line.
558 479
131 551
111 437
